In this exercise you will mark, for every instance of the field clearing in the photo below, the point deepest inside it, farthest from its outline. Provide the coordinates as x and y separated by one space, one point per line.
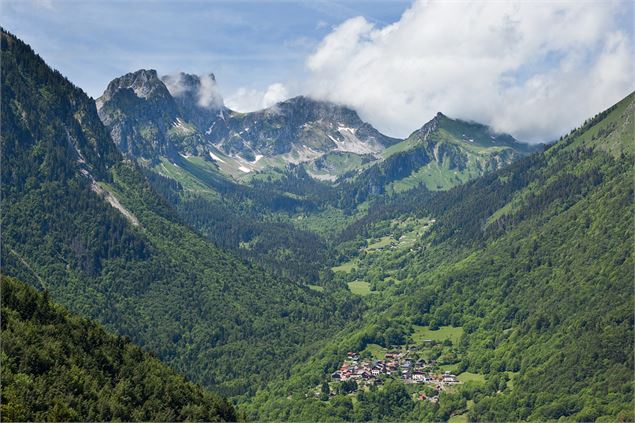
444 332
381 243
359 288
459 418
377 351
316 288
345 267
471 377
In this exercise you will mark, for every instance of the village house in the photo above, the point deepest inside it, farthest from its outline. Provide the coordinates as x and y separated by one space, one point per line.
401 365
449 379
419 377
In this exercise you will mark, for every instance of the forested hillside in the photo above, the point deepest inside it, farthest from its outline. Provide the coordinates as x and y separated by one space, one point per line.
57 366
82 223
449 276
531 267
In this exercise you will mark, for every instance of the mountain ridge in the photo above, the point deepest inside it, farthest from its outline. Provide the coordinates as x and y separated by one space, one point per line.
328 139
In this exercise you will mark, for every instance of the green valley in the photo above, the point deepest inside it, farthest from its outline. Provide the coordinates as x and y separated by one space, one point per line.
167 258
135 267
505 297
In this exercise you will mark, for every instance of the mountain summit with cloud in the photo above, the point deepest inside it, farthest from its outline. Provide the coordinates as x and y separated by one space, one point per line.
517 66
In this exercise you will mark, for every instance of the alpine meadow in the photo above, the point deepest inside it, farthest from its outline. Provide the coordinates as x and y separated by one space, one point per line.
431 218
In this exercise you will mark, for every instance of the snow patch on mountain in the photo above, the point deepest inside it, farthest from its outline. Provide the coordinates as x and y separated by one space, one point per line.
352 144
216 158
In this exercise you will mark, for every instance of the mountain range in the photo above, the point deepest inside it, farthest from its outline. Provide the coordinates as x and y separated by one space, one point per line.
268 256
150 117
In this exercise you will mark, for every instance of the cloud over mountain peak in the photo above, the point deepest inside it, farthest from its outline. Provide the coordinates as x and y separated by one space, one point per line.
517 66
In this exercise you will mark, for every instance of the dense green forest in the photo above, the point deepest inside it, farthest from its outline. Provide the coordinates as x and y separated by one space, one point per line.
251 221
57 366
136 268
518 281
533 263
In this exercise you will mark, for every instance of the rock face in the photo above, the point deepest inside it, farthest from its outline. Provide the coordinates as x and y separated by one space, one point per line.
151 116
139 111
300 129
197 97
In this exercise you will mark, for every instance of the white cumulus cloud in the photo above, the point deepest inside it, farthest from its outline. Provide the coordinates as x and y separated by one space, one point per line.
534 69
250 99
207 92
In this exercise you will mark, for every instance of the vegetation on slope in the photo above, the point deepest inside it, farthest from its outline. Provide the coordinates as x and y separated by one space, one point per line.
534 262
135 267
57 366
532 265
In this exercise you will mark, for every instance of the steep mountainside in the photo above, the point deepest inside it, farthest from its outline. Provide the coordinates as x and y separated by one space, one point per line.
196 97
442 154
298 130
84 224
520 283
57 366
139 112
151 117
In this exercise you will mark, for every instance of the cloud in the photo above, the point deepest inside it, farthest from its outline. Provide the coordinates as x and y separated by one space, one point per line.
250 99
203 87
534 69
321 24
208 94
275 93
174 84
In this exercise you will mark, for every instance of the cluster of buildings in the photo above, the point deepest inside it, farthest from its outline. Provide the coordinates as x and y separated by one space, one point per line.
395 365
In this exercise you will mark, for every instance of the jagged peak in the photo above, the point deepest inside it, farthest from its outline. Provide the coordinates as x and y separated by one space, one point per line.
141 76
144 83
430 126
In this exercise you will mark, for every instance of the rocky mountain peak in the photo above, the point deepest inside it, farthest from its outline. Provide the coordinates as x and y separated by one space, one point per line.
145 83
430 127
197 97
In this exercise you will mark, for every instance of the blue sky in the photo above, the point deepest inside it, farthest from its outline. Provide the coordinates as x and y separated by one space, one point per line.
244 43
532 68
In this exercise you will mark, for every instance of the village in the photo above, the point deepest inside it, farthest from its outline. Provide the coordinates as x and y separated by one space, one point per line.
395 365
